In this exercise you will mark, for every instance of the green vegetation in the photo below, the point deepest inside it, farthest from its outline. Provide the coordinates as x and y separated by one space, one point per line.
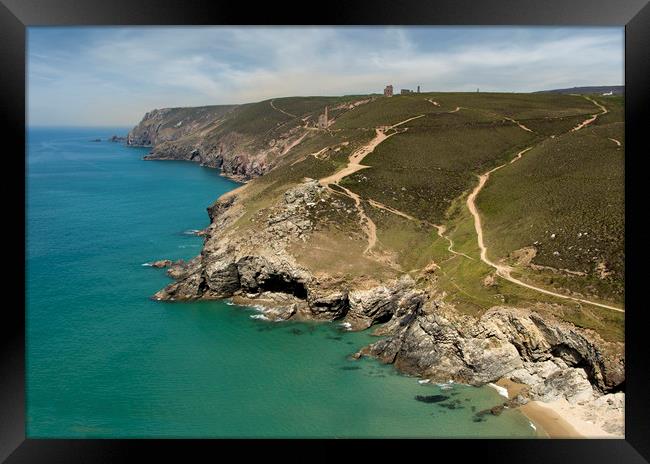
420 171
520 106
615 105
176 117
305 106
411 244
564 197
384 112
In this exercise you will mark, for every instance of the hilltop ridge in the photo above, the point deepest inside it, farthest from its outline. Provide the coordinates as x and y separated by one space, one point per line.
595 89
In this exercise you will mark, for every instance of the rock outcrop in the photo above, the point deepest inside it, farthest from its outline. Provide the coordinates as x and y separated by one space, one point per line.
422 335
238 156
555 358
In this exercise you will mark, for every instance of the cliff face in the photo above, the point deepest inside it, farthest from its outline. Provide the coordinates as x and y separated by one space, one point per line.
169 124
243 141
257 265
237 155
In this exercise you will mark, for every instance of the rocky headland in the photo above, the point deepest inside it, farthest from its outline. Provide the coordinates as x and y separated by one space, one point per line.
300 248
420 333
217 137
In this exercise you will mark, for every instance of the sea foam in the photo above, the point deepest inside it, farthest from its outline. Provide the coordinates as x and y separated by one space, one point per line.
501 390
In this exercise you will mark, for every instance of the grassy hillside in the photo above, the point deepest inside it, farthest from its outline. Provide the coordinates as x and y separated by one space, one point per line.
423 169
176 117
565 198
556 215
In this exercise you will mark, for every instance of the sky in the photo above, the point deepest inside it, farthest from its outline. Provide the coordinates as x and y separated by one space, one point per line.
111 76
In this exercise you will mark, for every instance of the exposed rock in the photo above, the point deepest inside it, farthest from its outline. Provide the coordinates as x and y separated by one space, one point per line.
325 304
490 280
423 335
524 256
441 344
181 269
238 156
381 303
571 383
161 263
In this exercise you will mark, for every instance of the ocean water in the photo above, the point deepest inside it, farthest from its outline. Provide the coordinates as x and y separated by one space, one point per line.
103 360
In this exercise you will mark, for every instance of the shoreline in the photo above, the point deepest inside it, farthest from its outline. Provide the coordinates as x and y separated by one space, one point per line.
556 419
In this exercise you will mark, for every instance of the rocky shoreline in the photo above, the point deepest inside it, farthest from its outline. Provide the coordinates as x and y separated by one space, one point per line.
238 156
420 333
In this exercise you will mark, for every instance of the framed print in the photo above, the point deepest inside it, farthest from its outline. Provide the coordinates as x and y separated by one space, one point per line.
394 221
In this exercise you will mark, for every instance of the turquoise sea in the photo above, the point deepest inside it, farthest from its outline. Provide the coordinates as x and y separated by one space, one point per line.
103 360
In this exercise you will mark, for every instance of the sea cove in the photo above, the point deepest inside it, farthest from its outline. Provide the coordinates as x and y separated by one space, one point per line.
104 360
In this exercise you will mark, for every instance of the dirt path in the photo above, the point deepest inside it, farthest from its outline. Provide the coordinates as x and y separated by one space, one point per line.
441 233
368 225
519 124
593 117
353 166
439 228
397 212
315 155
281 111
435 103
354 161
293 144
502 270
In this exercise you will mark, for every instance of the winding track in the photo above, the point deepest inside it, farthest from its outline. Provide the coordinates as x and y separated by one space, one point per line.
519 124
593 116
281 110
354 165
502 270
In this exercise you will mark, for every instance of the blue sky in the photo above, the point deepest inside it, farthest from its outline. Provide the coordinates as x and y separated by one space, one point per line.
113 75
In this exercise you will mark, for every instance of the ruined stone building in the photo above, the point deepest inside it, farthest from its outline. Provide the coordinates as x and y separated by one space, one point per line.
388 91
323 120
406 91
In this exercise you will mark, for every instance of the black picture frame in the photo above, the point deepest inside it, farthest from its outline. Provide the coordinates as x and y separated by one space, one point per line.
16 15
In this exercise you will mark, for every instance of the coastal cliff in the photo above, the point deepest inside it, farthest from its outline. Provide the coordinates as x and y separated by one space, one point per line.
169 124
311 237
420 333
243 141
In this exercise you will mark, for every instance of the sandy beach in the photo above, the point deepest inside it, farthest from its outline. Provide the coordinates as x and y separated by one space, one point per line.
560 419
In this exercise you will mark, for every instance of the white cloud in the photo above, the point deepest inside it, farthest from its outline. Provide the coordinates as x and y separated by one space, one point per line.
118 74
